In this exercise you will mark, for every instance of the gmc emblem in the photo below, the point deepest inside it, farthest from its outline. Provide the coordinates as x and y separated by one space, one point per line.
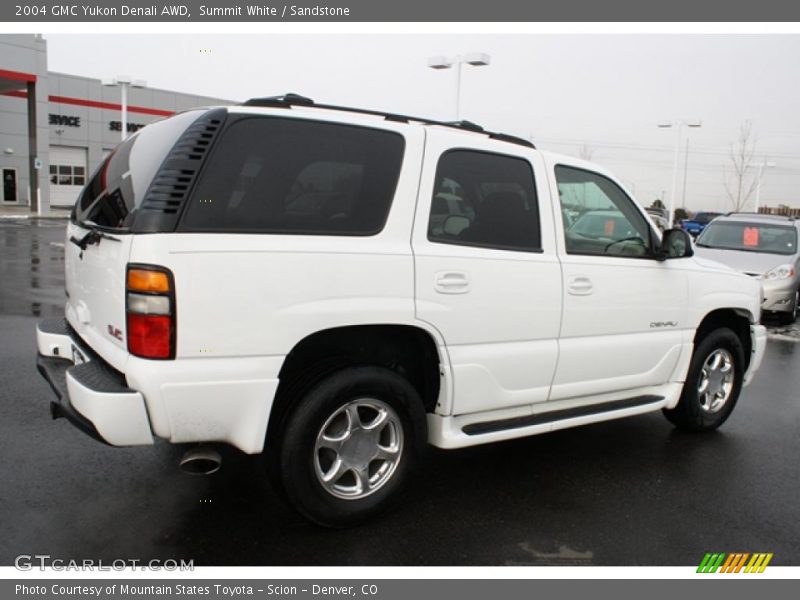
115 332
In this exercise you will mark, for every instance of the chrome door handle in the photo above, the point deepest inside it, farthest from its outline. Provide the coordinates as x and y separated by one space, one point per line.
451 282
580 286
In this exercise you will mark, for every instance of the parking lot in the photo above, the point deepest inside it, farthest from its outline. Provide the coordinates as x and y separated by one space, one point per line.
626 492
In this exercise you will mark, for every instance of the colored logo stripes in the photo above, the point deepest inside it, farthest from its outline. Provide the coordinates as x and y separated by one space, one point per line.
734 562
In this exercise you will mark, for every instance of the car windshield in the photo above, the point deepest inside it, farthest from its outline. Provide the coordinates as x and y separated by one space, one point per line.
750 237
603 225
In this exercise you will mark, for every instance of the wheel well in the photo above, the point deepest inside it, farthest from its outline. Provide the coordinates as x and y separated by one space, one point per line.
407 350
733 320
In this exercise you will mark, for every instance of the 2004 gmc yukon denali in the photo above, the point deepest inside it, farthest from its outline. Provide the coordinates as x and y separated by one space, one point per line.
333 288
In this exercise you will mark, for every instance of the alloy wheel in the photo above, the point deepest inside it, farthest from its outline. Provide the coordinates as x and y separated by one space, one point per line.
716 381
358 448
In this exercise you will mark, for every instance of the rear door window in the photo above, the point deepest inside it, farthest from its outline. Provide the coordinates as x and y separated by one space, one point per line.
292 176
485 199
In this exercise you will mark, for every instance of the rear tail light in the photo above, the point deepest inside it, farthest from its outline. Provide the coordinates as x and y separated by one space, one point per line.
150 308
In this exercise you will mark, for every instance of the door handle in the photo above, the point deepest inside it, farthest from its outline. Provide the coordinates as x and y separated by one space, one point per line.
580 286
451 282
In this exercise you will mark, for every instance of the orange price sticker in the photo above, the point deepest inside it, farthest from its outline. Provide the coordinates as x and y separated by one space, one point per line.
750 236
609 227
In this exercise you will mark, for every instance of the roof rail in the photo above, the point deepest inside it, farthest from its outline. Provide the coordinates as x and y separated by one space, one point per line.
291 99
286 101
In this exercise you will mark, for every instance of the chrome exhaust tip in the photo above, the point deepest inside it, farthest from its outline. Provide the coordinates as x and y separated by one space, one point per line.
201 461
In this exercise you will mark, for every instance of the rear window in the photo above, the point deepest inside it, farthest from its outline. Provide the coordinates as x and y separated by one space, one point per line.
117 187
274 175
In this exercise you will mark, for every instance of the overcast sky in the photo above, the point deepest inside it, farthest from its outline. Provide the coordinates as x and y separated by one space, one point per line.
607 92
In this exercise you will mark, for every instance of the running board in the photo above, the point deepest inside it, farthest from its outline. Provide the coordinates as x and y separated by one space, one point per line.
558 415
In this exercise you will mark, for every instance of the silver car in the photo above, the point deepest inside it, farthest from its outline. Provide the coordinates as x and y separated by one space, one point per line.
762 246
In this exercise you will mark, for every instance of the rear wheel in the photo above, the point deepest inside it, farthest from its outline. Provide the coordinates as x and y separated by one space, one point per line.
713 383
350 444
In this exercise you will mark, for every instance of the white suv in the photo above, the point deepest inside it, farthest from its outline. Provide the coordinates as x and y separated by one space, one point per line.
335 287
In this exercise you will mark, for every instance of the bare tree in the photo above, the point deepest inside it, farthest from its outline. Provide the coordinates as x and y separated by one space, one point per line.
585 152
740 181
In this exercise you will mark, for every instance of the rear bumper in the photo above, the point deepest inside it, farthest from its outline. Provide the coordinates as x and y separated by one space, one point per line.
91 395
225 399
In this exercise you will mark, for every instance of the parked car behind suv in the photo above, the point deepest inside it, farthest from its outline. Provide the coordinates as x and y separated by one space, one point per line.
761 246
698 222
332 288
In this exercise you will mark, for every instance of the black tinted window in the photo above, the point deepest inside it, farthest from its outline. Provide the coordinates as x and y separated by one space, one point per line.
482 199
294 176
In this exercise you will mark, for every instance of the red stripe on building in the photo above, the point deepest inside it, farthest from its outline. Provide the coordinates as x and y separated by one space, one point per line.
17 76
111 106
94 104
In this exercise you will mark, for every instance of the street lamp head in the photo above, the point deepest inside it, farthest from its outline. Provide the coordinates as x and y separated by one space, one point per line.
138 83
439 62
665 123
123 79
477 59
694 123
108 81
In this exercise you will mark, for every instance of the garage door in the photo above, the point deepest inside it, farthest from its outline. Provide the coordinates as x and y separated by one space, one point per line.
67 174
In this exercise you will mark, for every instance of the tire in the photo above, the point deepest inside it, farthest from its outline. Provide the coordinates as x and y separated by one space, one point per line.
350 445
717 354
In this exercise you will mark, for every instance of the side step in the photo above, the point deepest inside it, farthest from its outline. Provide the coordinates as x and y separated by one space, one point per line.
558 415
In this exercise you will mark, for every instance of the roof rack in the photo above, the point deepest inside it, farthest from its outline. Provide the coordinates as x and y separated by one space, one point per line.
291 99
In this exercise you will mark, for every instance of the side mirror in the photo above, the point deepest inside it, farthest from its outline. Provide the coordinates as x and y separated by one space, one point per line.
675 243
455 224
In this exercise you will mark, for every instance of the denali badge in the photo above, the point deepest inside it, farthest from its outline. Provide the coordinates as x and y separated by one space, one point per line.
116 333
655 324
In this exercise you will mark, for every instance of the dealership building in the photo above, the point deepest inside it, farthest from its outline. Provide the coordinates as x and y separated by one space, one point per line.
56 128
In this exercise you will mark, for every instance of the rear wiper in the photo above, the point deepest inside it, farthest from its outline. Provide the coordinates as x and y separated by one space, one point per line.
92 237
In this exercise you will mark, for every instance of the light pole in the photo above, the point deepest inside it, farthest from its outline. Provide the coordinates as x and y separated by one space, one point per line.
476 59
761 166
679 124
124 82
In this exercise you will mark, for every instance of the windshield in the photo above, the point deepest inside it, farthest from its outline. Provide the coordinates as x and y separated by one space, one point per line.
118 186
603 225
750 237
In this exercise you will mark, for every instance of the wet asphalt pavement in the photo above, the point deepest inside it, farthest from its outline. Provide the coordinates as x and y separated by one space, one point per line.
628 492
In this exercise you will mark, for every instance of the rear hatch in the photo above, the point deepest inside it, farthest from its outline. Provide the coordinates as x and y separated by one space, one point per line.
100 235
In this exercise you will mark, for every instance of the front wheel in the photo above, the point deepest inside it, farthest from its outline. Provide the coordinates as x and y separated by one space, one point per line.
349 446
713 383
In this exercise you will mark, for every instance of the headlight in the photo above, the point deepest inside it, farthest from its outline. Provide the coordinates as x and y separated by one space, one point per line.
780 272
